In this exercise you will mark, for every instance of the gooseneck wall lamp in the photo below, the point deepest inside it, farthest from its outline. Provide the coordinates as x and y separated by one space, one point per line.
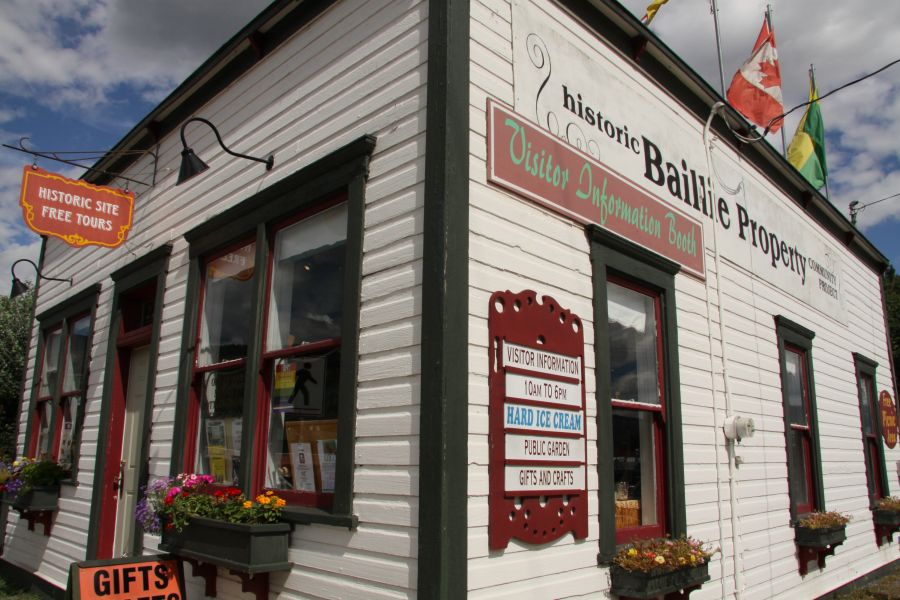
19 287
192 165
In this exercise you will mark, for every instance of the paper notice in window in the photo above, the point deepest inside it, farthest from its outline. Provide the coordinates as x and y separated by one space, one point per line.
302 467
327 450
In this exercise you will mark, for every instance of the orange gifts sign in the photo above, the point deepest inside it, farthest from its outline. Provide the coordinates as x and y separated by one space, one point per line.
75 211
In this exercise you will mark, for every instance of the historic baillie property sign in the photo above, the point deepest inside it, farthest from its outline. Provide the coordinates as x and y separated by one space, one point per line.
543 168
538 458
75 211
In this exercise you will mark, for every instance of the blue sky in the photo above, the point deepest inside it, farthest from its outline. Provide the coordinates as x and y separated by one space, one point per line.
78 74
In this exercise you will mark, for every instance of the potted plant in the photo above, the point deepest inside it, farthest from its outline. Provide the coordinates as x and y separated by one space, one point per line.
214 524
31 485
821 529
887 512
659 566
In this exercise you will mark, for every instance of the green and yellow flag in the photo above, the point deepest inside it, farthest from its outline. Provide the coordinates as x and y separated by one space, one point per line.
651 10
807 149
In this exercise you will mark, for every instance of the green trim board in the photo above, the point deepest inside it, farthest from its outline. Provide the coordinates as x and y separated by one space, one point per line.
865 366
790 332
343 171
443 428
612 254
151 266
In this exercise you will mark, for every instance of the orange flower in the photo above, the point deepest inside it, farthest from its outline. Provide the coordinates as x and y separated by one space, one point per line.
269 492
263 499
248 504
280 503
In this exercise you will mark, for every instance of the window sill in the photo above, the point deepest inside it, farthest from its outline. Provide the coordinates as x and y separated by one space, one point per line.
304 515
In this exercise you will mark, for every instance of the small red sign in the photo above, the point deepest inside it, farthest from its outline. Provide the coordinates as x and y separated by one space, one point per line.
538 166
75 211
889 429
538 430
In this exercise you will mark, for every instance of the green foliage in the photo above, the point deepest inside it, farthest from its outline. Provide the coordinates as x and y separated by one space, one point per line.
892 304
25 473
15 334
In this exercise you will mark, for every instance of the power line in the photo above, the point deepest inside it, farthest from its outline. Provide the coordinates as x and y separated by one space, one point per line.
855 207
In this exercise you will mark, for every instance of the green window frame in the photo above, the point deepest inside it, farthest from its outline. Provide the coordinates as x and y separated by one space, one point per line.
260 219
870 425
801 424
616 259
51 404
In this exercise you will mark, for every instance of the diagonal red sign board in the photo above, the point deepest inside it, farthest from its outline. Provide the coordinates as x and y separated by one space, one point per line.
77 212
532 163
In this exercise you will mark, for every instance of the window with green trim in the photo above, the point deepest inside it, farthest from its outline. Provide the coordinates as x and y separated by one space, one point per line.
804 468
869 414
640 455
269 395
58 398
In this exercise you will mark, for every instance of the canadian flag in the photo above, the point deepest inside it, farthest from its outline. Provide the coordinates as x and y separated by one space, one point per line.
755 90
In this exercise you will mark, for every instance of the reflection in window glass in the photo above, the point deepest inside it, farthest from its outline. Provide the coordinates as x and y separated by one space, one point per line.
76 354
797 474
307 280
66 458
50 374
225 322
43 435
302 448
794 384
221 423
865 404
634 468
634 372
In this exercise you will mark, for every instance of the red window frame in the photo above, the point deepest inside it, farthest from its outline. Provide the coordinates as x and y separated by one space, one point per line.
627 534
266 371
258 452
198 371
804 430
871 437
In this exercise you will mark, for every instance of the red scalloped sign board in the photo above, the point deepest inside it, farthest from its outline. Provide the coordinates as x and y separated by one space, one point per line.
75 211
889 428
537 434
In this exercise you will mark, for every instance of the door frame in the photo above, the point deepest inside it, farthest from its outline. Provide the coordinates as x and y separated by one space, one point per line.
152 267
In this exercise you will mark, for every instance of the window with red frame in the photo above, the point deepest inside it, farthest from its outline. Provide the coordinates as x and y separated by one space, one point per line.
801 476
868 412
294 393
59 403
638 409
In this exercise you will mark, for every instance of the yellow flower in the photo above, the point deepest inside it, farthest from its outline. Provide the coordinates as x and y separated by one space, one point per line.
248 504
632 552
659 560
269 492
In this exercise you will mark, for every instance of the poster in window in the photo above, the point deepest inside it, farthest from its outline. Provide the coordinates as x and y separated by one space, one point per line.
302 467
327 461
283 390
215 446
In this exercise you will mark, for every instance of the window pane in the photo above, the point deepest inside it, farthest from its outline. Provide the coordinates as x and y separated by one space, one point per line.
70 408
77 354
794 384
634 371
50 374
225 321
307 280
43 435
219 434
797 473
865 403
303 423
635 468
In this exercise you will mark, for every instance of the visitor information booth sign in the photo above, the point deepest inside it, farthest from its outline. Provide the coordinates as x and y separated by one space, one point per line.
75 211
538 473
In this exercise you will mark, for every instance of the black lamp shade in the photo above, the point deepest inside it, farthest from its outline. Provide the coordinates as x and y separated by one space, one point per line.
190 165
19 287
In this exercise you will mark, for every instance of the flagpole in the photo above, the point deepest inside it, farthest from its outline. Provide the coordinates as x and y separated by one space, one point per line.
715 12
812 82
772 29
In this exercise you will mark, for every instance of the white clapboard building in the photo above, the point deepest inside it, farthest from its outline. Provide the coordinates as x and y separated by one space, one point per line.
512 294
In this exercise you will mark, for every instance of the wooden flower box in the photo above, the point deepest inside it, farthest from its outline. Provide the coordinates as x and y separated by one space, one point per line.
643 585
37 505
817 544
